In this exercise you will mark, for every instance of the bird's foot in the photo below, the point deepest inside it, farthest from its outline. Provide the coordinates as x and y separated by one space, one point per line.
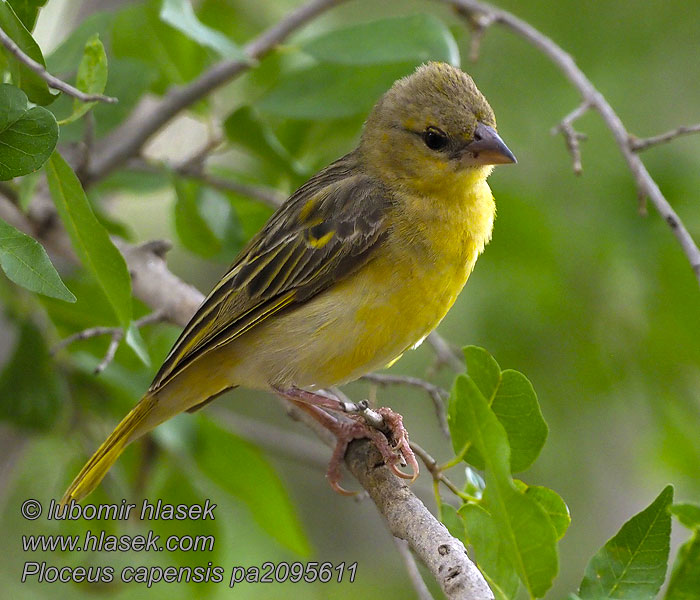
383 426
391 441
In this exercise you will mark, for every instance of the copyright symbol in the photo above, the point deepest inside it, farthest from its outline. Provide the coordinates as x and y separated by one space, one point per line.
31 509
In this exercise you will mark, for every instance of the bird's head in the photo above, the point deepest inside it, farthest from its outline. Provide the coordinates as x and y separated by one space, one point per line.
431 129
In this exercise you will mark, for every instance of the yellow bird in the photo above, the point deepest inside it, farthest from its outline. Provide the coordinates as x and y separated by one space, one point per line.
356 267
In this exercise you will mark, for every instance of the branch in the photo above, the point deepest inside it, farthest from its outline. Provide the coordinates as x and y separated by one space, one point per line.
116 335
195 163
641 144
9 192
268 196
571 136
53 82
646 185
444 352
478 23
436 394
155 285
437 472
283 442
408 519
127 141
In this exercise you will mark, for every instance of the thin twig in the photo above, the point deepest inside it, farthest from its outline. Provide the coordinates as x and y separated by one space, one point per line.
641 144
195 163
444 353
158 247
436 472
116 335
435 393
414 575
285 443
114 342
9 192
127 141
478 23
571 136
590 95
268 196
52 82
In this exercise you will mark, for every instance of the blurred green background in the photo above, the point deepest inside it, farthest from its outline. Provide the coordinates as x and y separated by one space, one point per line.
595 304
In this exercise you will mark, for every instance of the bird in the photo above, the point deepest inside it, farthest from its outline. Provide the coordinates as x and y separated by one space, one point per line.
356 267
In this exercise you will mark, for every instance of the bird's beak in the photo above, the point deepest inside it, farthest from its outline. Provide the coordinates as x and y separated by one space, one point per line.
488 148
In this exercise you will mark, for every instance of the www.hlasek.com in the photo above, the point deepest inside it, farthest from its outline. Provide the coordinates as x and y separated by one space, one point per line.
100 541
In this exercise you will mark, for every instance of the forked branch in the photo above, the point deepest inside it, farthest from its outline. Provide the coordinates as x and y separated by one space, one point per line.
592 98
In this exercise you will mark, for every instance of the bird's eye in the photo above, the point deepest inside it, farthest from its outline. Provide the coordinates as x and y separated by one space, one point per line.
435 138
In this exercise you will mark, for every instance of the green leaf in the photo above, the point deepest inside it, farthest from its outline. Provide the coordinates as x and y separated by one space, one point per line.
92 71
27 11
180 15
490 552
451 519
25 262
486 374
633 563
27 135
483 369
239 468
205 221
26 189
31 396
192 229
553 505
688 514
245 128
179 490
474 483
69 53
330 91
135 342
92 76
34 86
685 577
417 38
129 80
527 533
138 33
513 400
252 214
90 240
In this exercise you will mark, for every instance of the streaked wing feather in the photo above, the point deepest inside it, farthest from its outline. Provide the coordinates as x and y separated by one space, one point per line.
325 231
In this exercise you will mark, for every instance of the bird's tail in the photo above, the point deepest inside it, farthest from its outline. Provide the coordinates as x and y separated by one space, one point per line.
106 455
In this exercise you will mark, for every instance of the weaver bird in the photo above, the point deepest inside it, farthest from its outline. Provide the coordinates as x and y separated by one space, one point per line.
356 267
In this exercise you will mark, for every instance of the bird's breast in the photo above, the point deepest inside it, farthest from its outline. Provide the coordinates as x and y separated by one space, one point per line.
414 279
368 319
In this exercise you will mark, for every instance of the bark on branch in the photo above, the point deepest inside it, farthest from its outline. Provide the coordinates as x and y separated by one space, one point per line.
409 520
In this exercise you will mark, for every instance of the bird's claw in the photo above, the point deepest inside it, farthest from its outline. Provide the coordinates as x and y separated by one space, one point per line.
399 453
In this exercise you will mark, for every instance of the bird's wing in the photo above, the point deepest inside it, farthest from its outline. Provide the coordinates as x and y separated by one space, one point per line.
325 231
